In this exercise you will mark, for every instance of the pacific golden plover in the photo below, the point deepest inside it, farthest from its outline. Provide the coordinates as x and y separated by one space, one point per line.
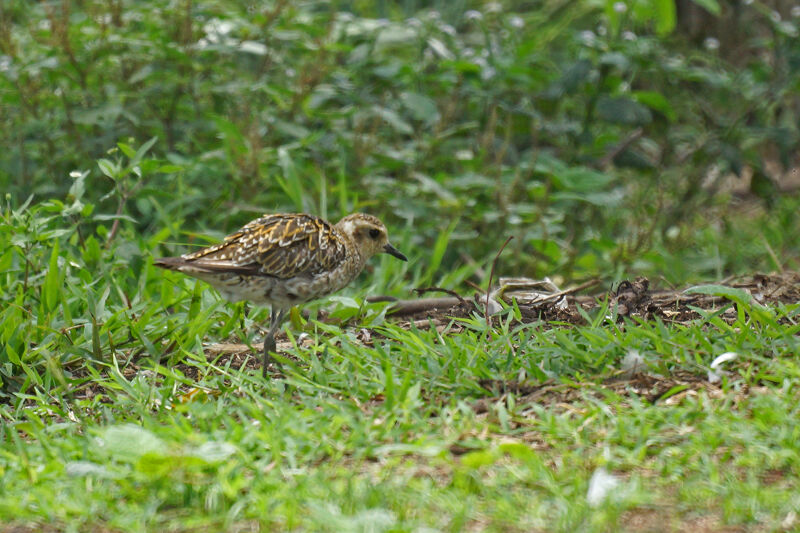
286 259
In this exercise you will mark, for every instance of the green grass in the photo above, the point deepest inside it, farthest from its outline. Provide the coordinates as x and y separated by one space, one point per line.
605 141
420 430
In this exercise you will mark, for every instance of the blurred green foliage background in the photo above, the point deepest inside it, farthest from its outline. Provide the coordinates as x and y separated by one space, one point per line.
603 135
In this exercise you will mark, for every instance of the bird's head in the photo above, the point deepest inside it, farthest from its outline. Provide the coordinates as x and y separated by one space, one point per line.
369 234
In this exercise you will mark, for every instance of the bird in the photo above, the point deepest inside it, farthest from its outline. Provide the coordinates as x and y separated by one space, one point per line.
286 259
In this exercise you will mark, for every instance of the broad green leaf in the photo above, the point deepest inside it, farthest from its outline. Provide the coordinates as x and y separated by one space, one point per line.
617 60
213 452
575 75
623 110
108 168
6 259
520 451
732 293
143 149
480 458
52 285
394 35
665 16
253 47
128 442
655 101
672 392
421 107
291 129
89 469
129 152
440 48
115 217
12 354
394 120
584 179
346 301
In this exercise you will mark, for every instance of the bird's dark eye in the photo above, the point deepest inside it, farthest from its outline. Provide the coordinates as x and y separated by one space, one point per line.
374 233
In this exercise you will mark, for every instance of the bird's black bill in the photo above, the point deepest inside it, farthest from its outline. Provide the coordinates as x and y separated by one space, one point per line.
391 250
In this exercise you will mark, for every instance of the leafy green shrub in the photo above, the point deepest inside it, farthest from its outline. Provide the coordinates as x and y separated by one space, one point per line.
589 130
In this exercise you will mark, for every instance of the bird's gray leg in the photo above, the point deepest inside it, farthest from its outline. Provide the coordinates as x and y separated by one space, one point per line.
275 319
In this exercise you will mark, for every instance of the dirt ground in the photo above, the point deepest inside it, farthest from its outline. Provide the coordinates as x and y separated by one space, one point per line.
629 298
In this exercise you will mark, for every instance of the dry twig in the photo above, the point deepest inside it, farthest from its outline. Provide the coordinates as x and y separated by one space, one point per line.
488 290
440 289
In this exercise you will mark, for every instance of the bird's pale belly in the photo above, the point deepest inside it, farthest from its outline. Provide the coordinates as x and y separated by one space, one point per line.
265 290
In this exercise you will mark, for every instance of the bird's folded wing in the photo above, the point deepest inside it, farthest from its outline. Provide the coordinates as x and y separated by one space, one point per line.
282 246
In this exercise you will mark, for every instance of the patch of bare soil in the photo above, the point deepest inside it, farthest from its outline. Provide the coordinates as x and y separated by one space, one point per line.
633 299
646 387
667 519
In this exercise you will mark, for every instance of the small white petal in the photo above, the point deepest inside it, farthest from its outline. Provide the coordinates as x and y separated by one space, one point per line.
714 377
448 29
633 363
600 486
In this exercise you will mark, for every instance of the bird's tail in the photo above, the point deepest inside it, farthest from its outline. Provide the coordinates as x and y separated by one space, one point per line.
170 263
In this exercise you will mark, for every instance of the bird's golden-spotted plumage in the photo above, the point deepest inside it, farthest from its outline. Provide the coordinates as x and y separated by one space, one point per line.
286 259
282 246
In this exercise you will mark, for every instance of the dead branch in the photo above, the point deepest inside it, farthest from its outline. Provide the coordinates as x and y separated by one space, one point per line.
559 294
412 307
440 289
